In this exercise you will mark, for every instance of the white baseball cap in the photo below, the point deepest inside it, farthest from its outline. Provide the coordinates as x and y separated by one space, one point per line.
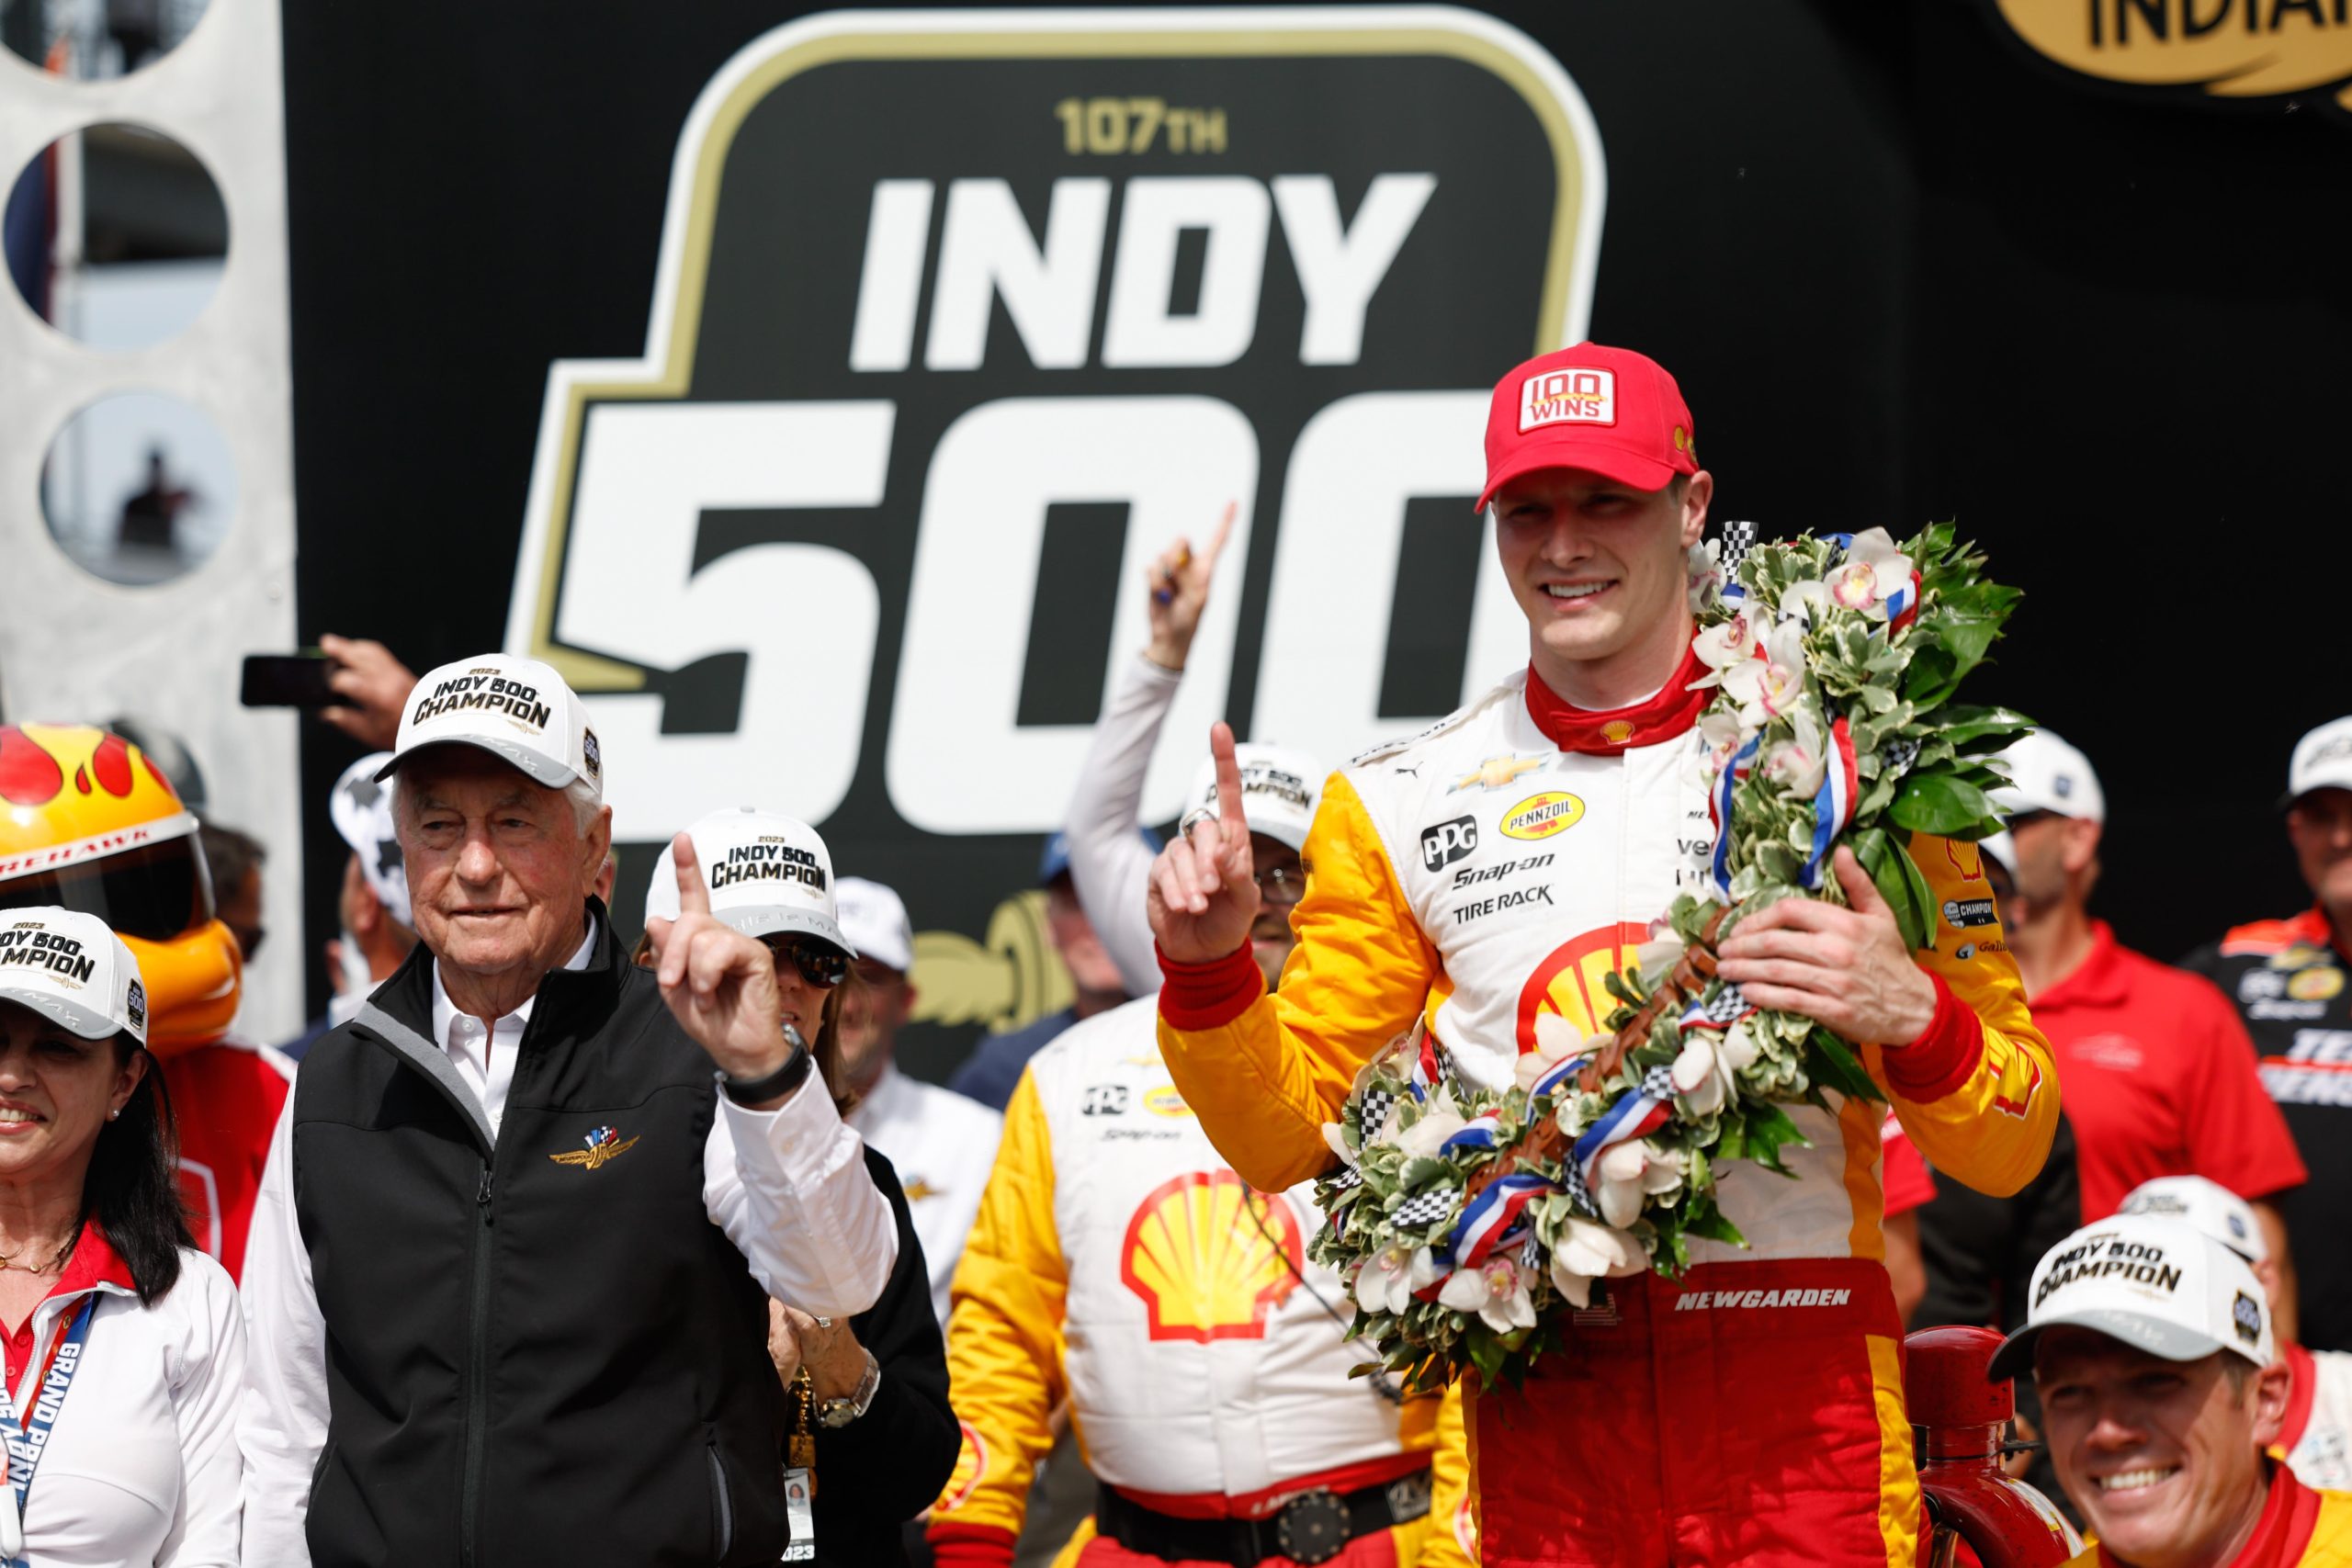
2155 1283
1279 788
2322 760
2047 774
766 875
518 709
2210 1206
874 920
361 810
2002 848
71 967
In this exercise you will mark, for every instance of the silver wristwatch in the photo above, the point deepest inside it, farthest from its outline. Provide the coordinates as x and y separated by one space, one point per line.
841 1411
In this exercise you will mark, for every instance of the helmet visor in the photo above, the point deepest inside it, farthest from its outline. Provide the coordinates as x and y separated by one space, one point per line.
154 893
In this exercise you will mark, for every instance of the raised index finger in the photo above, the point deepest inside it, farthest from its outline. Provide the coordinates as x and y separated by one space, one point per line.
1216 541
694 899
1228 784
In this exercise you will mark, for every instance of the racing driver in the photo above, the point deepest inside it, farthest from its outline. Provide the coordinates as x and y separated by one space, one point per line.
1492 869
1119 1262
87 822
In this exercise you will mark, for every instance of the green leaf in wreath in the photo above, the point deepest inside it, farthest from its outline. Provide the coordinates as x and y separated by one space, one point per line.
1833 1065
1962 725
1879 856
1486 1352
1922 899
1936 803
1706 1218
1768 1130
1420 1172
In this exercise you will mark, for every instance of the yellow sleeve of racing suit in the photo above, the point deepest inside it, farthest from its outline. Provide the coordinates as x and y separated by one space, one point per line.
1452 1538
1004 1343
1263 1072
1978 1093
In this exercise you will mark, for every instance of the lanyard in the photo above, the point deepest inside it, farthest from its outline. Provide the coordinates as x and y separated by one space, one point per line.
28 1434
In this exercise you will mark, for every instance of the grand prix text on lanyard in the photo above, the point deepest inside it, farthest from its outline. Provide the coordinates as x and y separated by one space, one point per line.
28 1434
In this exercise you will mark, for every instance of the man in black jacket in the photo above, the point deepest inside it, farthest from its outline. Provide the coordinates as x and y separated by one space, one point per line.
508 1291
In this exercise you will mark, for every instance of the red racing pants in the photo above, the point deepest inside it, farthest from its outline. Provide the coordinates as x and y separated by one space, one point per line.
1393 1548
1751 1414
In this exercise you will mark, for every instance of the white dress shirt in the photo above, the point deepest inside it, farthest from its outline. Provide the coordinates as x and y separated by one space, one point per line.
788 1187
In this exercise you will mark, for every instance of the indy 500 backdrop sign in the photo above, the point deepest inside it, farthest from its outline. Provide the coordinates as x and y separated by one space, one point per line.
961 316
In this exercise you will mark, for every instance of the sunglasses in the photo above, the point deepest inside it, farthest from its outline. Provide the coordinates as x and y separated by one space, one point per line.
820 962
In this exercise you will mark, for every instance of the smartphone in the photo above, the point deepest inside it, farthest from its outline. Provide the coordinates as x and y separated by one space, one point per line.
288 680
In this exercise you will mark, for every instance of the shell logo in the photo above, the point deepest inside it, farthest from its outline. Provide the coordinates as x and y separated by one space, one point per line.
1539 817
2019 1076
1617 731
1211 1258
1568 982
1165 1101
971 1465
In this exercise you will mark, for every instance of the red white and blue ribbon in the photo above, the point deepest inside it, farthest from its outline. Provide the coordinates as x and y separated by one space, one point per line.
1494 1218
1636 1114
1429 1068
1477 1134
1719 808
1833 803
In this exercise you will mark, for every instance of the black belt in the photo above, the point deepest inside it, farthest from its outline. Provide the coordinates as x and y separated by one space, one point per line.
1313 1526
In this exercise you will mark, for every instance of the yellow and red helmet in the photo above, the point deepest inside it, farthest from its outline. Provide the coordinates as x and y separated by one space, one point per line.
87 821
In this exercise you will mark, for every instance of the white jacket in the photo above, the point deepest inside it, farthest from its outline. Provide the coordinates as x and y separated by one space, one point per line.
2317 1443
942 1145
141 1463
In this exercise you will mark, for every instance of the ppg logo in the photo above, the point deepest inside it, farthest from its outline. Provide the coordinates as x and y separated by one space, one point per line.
1448 843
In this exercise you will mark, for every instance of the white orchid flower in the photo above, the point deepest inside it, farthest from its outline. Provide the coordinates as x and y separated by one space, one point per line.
1496 1290
1738 1048
1439 1122
1772 683
1631 1173
1655 957
1385 1282
1873 571
1698 1074
1704 570
1722 647
1555 1040
1806 601
1335 1138
1587 1252
1800 762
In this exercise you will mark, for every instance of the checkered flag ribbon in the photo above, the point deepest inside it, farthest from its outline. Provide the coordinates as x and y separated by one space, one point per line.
1727 1008
1738 538
1658 1082
1372 1111
1530 1255
1898 756
1347 1179
1572 1182
1436 1204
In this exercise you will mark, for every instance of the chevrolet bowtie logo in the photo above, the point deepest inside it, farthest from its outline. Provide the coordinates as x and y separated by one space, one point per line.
603 1144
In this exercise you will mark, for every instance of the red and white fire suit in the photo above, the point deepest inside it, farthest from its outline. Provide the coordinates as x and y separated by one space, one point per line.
1118 1262
1493 869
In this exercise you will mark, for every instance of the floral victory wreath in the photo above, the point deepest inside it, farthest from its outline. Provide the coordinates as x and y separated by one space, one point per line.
1468 1222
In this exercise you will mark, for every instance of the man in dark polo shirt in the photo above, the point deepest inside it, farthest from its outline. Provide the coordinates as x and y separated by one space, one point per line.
2287 978
508 1285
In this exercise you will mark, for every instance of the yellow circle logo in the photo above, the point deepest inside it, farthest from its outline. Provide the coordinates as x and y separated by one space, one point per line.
1165 1101
2320 984
1542 816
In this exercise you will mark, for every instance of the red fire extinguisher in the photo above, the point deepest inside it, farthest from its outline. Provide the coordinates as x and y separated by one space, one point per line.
1976 1513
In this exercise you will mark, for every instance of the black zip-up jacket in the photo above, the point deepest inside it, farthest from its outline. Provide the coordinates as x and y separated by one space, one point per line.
891 1463
531 1358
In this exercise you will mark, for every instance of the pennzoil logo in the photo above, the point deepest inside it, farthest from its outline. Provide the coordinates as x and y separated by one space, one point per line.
600 1147
1136 265
1210 1257
1540 817
2201 50
1166 1101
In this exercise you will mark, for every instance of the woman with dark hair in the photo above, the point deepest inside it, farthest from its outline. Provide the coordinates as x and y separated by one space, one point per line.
867 1397
124 1347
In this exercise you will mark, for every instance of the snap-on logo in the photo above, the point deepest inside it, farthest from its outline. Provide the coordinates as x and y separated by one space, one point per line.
1571 396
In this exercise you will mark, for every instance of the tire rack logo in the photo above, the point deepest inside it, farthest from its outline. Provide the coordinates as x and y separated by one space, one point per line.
877 387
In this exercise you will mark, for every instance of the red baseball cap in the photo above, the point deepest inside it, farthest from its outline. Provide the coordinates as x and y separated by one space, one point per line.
1608 411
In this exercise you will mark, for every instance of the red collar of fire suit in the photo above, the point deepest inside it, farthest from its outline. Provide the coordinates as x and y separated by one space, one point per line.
1608 731
2282 1532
